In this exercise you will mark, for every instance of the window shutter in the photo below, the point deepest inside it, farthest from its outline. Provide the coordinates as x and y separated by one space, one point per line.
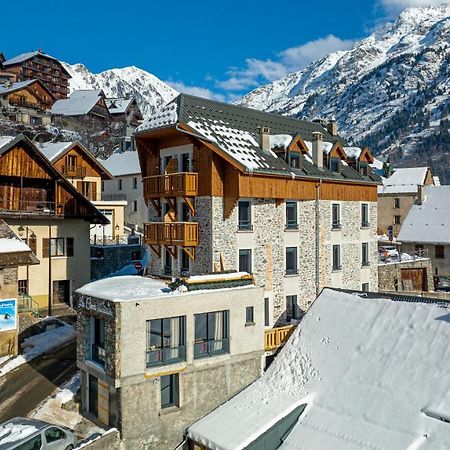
45 247
94 191
32 243
69 245
80 186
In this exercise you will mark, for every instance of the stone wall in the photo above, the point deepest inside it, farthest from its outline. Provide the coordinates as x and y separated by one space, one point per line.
145 426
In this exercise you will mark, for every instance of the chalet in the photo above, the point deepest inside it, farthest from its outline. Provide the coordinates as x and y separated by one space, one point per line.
45 209
39 65
233 188
4 75
89 103
425 229
397 194
87 174
124 110
28 102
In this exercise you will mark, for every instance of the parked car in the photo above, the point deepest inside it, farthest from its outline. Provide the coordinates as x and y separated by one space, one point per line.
442 283
29 434
388 252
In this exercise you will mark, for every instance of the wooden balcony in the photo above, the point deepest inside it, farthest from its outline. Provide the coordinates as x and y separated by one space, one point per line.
277 337
184 234
182 184
74 171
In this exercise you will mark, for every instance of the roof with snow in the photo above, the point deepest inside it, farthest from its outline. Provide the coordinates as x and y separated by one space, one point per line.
79 103
118 105
429 222
404 181
235 130
126 163
373 373
5 89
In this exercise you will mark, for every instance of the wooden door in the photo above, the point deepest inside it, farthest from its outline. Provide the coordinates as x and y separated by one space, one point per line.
414 279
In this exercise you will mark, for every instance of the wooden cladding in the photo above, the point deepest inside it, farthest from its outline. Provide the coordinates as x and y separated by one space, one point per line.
277 337
183 184
18 163
171 233
73 171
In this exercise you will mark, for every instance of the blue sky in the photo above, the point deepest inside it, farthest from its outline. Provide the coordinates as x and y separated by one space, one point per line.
218 49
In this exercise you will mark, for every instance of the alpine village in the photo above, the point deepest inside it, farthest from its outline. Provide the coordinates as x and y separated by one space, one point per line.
260 272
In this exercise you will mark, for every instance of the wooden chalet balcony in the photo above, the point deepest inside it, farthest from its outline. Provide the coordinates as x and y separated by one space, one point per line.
74 171
277 337
171 233
181 184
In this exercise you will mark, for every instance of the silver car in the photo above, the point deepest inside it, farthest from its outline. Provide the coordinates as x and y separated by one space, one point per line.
29 434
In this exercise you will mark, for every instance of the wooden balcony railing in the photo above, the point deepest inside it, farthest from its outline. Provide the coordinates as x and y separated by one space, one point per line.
171 233
74 171
277 337
182 184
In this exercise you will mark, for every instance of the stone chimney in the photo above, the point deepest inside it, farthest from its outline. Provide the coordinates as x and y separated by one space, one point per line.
264 139
420 194
317 149
333 127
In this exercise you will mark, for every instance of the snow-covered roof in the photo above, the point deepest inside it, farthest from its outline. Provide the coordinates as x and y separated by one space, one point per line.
429 222
79 103
166 116
436 180
52 150
353 152
5 89
12 245
327 146
4 140
280 140
24 56
126 163
373 372
118 105
404 181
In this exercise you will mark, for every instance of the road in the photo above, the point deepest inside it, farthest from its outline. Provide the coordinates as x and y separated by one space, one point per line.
24 388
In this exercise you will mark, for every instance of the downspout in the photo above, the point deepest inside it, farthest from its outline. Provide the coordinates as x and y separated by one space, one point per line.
318 185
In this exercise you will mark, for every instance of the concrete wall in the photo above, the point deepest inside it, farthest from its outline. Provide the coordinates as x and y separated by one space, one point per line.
77 268
115 211
441 266
8 289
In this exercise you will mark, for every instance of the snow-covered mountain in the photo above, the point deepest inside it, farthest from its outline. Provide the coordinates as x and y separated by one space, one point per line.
150 92
390 91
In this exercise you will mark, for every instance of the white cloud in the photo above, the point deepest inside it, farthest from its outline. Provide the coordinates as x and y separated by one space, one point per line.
393 7
292 59
196 90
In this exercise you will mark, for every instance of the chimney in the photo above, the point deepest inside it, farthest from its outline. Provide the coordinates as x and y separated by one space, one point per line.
332 127
317 149
420 194
264 136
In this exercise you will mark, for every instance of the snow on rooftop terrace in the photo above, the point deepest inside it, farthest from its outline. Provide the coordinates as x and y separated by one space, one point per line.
366 368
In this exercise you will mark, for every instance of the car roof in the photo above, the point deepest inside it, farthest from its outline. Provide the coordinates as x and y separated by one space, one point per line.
18 430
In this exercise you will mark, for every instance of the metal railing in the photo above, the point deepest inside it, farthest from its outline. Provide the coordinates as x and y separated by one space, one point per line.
109 240
277 337
171 233
113 197
171 185
213 347
27 304
165 355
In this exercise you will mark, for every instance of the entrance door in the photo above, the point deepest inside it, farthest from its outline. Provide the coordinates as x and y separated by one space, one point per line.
414 279
61 291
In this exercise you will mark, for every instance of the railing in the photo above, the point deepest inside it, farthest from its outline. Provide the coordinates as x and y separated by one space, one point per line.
12 205
171 233
74 171
25 104
113 240
26 303
98 354
213 347
113 197
182 184
164 356
277 337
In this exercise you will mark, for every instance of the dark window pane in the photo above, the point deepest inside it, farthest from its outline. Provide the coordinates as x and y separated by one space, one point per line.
291 215
244 215
336 215
169 390
201 326
245 260
291 260
249 314
266 312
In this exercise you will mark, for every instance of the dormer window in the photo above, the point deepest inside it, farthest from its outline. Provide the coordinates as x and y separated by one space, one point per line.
363 169
335 165
295 161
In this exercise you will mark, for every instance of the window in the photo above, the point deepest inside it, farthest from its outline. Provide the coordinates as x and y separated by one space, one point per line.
98 353
135 183
22 287
185 261
439 251
58 247
31 241
245 261
365 254
292 309
69 246
291 260
418 250
396 203
119 184
244 215
54 434
167 262
337 257
134 205
295 161
266 312
397 220
335 165
211 334
291 215
185 162
249 315
165 341
103 186
336 216
365 287
88 189
364 215
363 169
34 443
169 390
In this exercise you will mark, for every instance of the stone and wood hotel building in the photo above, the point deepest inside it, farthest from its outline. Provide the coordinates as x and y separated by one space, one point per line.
231 188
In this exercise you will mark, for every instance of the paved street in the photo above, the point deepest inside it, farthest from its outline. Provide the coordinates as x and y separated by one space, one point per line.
24 388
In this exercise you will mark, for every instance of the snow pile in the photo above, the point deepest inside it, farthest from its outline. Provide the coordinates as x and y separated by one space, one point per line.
36 345
12 245
363 367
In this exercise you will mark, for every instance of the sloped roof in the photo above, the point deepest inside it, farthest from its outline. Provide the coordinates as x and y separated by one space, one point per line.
79 103
430 222
367 368
404 181
118 105
235 130
126 163
24 56
14 86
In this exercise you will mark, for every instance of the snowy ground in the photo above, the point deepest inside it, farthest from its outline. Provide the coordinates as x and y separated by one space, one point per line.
57 334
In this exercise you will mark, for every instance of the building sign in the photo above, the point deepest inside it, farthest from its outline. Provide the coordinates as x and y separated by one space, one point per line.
8 314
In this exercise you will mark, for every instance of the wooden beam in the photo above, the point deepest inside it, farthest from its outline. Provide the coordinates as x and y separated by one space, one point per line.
190 204
172 250
156 203
156 249
190 251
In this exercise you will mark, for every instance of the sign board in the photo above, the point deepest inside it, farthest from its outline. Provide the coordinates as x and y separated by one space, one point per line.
8 314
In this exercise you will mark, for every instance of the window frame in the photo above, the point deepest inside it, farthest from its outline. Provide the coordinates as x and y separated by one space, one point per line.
365 221
337 162
336 224
336 262
441 253
397 219
292 306
249 315
396 202
365 259
245 225
171 381
293 206
135 183
250 263
53 250
205 347
291 270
